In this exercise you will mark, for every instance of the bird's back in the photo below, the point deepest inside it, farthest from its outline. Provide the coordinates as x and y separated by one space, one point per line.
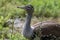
52 28
48 28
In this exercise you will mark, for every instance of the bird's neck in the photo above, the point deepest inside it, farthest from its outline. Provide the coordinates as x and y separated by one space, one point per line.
27 30
28 20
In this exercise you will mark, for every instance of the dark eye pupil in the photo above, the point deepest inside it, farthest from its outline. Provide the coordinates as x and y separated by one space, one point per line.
28 7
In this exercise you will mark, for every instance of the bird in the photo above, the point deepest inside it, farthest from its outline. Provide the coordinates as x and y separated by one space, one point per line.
43 30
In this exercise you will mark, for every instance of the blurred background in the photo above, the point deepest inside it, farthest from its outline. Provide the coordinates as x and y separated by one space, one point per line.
12 18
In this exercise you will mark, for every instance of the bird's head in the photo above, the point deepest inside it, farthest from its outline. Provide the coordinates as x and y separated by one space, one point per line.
28 8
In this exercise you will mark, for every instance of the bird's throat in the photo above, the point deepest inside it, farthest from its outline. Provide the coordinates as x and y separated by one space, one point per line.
27 30
28 20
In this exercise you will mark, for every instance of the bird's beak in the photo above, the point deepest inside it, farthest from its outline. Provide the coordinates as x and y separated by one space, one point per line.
22 7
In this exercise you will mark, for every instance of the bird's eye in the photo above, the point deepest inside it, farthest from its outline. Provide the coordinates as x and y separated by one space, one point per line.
29 7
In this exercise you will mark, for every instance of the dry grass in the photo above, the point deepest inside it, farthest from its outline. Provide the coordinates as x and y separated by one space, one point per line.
36 20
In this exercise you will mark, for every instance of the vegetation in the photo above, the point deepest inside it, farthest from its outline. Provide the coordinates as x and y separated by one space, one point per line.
43 8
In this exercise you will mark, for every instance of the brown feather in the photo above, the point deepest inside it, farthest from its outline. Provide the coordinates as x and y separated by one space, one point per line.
48 28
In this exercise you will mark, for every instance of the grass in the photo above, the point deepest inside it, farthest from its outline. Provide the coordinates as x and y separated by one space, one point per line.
11 36
48 9
6 34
